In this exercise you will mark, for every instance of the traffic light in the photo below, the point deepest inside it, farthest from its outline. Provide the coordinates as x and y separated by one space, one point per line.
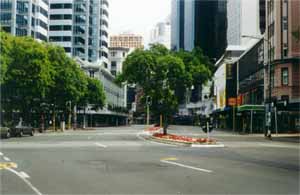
148 100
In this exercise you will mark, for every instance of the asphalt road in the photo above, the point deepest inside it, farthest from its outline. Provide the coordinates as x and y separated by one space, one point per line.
120 161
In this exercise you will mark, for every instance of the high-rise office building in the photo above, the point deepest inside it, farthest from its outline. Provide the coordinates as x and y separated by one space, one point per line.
242 19
25 18
81 28
199 23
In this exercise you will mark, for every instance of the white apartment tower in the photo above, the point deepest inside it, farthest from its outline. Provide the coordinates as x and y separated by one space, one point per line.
25 18
81 28
161 33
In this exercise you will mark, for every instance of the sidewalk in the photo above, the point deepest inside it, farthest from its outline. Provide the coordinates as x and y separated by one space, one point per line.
229 135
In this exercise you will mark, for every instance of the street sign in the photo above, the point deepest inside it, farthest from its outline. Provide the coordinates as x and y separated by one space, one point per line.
239 100
232 101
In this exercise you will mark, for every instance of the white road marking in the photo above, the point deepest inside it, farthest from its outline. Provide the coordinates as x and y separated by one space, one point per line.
1 154
187 166
208 146
101 145
280 146
25 180
6 158
24 175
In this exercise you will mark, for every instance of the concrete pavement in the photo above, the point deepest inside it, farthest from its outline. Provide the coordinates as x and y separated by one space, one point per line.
118 161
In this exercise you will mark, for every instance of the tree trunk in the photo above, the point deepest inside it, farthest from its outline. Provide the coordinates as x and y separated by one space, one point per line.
75 117
165 125
42 125
84 119
53 121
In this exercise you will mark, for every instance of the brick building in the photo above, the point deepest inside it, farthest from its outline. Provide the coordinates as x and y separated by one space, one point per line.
282 32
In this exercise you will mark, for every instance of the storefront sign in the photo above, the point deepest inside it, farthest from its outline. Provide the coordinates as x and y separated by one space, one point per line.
232 101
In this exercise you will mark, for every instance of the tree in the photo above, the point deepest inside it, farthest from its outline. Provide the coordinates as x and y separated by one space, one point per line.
5 50
27 78
37 76
94 94
158 73
198 69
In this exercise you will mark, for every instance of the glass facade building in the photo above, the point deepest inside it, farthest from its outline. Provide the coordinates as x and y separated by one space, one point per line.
25 18
81 27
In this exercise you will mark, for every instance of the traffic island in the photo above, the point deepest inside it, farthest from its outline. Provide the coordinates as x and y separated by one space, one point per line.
184 140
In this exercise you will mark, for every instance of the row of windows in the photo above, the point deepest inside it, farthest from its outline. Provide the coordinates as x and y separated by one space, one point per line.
61 6
60 27
43 12
103 22
5 18
22 7
59 38
284 77
41 36
60 16
5 4
67 49
21 20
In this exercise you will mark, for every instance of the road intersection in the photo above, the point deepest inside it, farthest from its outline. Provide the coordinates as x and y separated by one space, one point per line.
119 161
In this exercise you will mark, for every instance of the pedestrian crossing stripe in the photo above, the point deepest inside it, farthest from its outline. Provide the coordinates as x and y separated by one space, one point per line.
4 165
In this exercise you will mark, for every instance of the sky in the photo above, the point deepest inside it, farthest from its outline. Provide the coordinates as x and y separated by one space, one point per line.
137 16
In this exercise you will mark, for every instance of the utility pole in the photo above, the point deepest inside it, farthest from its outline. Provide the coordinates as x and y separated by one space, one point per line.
148 102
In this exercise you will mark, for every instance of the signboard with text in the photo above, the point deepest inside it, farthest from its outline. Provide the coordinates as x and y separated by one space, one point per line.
232 101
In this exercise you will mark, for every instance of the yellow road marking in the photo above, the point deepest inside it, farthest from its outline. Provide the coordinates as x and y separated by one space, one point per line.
169 158
4 165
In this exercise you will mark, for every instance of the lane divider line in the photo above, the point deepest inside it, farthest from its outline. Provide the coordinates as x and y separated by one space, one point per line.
25 180
207 146
1 154
187 166
24 175
6 158
101 145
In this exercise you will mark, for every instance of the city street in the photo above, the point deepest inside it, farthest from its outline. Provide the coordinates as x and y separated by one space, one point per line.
120 161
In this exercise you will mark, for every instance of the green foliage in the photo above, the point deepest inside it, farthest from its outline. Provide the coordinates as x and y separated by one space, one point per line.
5 50
94 94
164 75
35 74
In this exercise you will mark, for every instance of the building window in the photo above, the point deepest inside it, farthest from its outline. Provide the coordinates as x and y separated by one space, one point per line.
44 12
285 52
56 6
5 4
285 76
55 27
113 64
5 18
67 49
272 78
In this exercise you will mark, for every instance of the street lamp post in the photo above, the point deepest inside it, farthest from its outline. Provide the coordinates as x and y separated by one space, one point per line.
269 116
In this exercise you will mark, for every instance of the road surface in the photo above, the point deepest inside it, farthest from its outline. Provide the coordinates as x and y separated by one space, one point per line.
119 161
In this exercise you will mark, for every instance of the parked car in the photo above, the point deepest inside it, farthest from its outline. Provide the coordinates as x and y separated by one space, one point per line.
5 132
22 129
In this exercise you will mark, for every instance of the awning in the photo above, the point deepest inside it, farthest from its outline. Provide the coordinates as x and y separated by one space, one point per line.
258 108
